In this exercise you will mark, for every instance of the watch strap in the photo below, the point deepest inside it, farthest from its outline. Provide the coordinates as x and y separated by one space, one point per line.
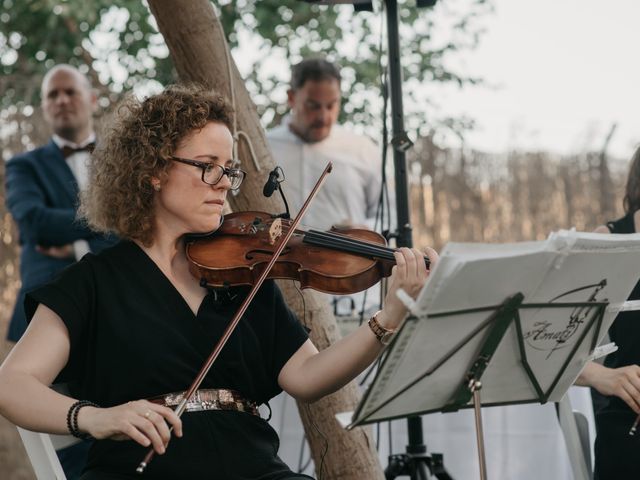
382 334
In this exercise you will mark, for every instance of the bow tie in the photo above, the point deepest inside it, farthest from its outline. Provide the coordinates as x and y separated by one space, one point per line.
67 151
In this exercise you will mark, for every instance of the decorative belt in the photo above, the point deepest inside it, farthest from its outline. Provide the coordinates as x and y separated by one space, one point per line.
209 399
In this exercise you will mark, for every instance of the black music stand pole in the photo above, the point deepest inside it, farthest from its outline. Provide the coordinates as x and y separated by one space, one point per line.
415 462
400 140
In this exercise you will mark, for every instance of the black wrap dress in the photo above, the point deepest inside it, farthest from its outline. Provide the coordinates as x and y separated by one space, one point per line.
133 336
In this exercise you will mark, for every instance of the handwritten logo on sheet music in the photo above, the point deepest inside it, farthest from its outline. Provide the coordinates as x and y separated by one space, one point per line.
551 336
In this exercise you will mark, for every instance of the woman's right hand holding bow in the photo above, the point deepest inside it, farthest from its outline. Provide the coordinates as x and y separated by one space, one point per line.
142 421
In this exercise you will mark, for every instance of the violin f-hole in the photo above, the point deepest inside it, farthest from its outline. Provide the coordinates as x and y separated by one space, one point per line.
250 255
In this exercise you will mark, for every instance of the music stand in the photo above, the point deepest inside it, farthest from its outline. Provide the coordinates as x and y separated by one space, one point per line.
517 322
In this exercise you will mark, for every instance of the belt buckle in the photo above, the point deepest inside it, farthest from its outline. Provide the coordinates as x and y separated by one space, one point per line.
172 399
214 399
225 399
195 404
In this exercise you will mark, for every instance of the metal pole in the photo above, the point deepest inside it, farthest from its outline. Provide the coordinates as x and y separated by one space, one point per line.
400 142
475 387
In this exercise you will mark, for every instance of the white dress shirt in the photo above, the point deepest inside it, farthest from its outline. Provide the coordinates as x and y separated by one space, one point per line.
79 165
350 194
352 189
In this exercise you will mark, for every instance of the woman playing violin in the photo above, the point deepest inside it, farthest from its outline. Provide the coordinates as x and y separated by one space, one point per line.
129 328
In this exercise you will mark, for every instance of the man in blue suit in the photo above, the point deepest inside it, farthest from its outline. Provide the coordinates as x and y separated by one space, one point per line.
42 189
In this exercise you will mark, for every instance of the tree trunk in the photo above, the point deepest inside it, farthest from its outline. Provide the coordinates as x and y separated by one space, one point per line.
200 54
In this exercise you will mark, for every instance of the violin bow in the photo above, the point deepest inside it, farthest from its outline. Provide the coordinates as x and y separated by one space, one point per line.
179 410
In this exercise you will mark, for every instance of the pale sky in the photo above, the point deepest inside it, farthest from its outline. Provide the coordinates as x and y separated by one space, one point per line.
566 70
562 71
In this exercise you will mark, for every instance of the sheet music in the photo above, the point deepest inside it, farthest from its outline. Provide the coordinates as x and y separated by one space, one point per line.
567 267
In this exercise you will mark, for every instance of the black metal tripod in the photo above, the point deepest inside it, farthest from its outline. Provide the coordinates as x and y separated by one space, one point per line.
415 462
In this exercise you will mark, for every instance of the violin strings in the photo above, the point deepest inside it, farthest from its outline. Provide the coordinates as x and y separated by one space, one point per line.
345 243
348 244
342 242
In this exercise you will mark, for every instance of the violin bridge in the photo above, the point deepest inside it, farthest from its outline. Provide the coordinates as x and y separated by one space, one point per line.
275 231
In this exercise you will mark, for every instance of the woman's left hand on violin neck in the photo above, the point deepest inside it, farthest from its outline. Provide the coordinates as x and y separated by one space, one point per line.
409 274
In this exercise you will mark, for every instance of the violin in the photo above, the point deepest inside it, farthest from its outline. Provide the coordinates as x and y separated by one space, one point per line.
339 262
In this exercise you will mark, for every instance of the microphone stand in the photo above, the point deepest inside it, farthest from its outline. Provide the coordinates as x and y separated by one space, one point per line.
272 184
415 462
285 215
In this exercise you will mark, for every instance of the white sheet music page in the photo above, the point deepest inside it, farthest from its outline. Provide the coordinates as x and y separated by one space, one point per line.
435 348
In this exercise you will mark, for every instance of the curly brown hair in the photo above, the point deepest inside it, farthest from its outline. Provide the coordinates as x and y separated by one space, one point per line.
136 148
631 201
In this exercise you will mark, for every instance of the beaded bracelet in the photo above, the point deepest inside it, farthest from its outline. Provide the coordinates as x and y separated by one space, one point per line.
72 418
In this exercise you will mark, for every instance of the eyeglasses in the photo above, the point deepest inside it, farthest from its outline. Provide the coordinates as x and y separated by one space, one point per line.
213 173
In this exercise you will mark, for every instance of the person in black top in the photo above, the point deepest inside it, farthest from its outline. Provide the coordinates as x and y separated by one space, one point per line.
618 379
129 328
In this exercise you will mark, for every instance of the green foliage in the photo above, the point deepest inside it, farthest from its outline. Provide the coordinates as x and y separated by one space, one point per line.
117 44
114 42
286 31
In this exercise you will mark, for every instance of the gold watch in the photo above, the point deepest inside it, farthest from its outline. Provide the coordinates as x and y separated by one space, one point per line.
384 335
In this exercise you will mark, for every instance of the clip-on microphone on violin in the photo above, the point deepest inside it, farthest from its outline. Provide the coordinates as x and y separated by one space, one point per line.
273 184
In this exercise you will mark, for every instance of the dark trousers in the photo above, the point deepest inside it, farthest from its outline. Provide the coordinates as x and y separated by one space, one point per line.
74 458
616 451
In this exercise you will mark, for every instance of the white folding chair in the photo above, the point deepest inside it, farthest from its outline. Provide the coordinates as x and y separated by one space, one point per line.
41 450
575 429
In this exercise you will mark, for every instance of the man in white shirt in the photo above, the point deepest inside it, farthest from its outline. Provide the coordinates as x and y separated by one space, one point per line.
307 140
42 188
309 137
